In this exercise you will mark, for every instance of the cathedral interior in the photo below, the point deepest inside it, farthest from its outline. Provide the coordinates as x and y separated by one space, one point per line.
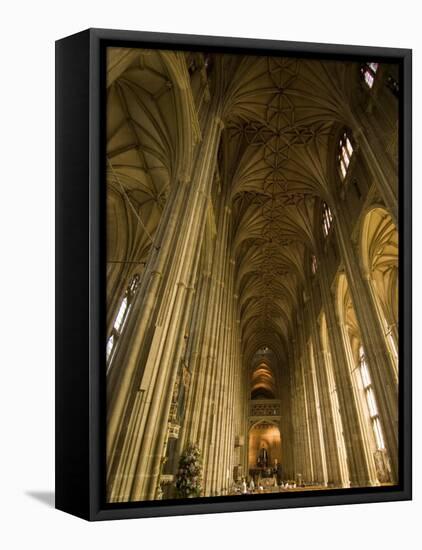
252 272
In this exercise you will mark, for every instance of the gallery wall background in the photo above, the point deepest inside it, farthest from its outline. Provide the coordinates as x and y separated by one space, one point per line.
27 274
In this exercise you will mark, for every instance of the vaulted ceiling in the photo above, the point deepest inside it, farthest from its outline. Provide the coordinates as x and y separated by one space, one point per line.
280 116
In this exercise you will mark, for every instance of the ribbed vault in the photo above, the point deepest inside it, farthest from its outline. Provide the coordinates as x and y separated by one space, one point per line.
280 116
148 146
221 169
263 377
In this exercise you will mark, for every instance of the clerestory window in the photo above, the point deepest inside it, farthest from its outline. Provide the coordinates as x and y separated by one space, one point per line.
121 318
345 153
327 219
370 400
369 71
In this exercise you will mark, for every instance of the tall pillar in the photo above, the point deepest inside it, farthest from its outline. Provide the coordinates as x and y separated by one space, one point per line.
222 365
202 410
302 441
148 370
334 477
224 435
360 471
286 424
377 160
215 364
380 365
193 359
316 442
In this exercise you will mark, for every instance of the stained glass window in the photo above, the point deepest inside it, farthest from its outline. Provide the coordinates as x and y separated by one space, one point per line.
327 219
368 71
345 153
121 318
370 400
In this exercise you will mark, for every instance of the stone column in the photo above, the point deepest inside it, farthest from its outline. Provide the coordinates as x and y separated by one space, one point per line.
377 160
360 471
122 380
215 365
193 357
316 444
237 398
191 241
331 449
218 397
223 463
125 397
380 364
302 441
201 409
286 423
319 436
148 367
223 435
169 361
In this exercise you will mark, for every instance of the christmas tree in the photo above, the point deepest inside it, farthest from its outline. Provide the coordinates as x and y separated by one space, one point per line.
189 474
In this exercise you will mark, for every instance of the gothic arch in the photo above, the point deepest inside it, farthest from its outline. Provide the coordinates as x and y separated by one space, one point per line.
379 251
352 341
151 134
265 433
218 168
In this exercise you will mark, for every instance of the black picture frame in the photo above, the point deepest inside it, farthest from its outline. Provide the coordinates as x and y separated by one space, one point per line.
80 282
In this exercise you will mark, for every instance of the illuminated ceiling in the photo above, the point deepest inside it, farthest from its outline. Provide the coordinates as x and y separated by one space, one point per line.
280 117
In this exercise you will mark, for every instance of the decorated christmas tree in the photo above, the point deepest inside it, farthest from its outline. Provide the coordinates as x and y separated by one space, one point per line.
189 474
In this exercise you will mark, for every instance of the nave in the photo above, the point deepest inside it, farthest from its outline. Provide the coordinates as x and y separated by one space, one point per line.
252 274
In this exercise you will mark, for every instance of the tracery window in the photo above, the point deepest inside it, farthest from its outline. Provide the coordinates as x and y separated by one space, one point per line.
345 152
370 400
327 219
369 71
121 317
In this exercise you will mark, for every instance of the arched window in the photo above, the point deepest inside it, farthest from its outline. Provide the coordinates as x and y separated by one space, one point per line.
369 71
380 250
314 264
345 152
370 400
121 318
327 219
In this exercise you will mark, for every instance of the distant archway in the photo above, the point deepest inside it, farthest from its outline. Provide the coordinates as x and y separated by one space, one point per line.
264 435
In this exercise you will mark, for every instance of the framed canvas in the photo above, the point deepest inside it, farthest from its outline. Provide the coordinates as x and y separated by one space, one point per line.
233 279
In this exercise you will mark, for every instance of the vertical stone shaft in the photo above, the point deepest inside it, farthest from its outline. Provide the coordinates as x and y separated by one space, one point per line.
360 471
331 448
155 374
379 359
216 369
377 160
